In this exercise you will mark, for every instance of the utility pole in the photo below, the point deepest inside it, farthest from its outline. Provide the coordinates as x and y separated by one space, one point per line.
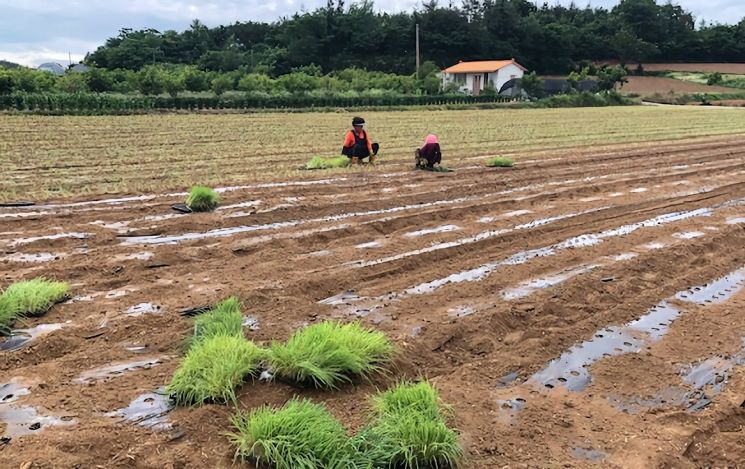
417 51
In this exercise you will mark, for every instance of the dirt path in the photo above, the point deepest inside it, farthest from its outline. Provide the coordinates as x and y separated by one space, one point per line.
579 310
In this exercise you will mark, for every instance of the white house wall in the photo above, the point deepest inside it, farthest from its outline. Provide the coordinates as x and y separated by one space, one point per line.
506 74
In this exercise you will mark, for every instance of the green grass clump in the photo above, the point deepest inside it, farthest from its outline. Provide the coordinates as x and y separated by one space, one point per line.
224 319
318 162
500 162
202 199
329 353
29 298
299 435
213 368
409 431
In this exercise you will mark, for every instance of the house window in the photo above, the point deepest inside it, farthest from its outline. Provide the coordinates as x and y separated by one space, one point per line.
460 78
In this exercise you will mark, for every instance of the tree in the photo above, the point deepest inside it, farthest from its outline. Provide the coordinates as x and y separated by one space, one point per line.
221 84
256 82
152 80
98 80
532 84
610 77
298 82
7 82
73 83
195 80
714 79
173 83
576 78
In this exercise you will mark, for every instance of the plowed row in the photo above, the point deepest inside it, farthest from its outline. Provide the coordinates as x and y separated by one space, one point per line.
481 278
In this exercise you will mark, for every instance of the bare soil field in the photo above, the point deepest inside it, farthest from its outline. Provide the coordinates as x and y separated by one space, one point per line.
693 67
662 85
582 309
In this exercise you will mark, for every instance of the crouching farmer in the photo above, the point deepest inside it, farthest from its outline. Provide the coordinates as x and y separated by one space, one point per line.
357 143
429 155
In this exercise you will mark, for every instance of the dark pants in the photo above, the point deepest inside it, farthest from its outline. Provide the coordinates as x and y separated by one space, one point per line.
359 151
431 154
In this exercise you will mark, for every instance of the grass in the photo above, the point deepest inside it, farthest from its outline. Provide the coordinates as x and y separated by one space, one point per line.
224 319
29 298
213 368
500 162
318 162
299 435
202 199
330 353
409 430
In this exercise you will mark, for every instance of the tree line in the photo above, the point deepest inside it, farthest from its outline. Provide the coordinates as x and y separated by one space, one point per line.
550 39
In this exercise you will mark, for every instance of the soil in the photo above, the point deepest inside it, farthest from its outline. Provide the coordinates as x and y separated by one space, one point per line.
590 242
662 85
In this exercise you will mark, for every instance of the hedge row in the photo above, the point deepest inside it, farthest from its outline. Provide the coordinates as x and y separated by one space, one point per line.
90 103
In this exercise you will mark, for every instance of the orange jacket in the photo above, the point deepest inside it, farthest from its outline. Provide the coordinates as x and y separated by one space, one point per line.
349 140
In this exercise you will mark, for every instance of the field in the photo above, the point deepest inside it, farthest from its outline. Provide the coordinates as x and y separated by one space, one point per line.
51 157
693 67
580 309
663 85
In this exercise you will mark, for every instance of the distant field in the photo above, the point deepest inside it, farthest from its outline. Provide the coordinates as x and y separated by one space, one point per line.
51 157
709 68
662 85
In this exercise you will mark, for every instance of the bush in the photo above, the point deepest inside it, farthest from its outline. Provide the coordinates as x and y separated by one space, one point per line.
329 353
409 431
221 84
256 82
583 99
300 435
224 319
73 83
29 298
202 199
152 79
714 79
500 162
319 162
213 368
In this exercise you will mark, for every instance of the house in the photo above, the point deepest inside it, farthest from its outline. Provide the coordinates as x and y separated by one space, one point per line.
52 67
79 68
474 77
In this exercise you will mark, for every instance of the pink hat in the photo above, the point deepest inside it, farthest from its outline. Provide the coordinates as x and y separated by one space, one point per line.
431 138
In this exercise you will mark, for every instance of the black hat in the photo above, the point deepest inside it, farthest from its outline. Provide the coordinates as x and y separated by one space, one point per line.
358 121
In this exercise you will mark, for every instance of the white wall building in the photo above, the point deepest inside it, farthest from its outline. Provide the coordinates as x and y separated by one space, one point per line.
474 77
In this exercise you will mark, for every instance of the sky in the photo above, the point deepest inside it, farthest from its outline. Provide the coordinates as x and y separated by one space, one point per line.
35 31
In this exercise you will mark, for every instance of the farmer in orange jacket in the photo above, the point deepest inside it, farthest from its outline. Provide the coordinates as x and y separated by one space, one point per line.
357 143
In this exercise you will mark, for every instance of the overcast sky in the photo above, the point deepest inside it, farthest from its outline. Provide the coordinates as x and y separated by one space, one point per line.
37 31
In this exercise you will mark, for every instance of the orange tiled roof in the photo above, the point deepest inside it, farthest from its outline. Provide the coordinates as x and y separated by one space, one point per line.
483 66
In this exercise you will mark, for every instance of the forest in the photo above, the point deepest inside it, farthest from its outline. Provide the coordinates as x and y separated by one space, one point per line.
550 39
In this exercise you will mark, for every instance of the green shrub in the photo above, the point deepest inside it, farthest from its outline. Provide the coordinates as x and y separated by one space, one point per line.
318 162
29 298
329 353
500 162
409 431
300 435
224 319
202 199
213 368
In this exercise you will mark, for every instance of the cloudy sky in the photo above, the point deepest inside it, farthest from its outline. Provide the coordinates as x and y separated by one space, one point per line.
36 31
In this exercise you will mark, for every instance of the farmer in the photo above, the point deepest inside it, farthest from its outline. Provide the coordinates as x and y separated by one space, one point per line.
429 155
357 143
